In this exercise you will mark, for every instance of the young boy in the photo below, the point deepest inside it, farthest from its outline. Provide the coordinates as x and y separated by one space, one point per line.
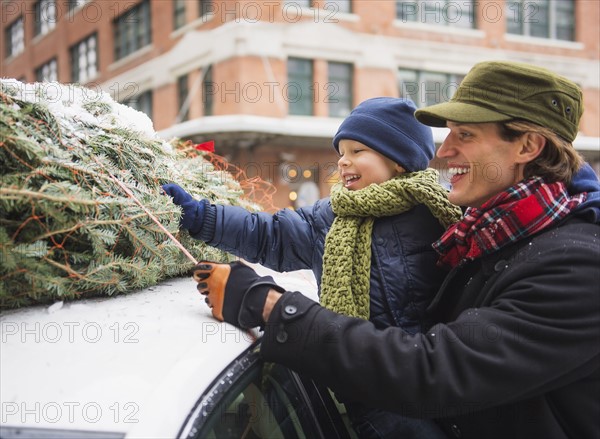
368 244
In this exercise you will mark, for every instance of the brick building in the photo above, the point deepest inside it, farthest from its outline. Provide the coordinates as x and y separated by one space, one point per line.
270 81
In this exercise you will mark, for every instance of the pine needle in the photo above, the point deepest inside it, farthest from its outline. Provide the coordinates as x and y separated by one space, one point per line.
81 177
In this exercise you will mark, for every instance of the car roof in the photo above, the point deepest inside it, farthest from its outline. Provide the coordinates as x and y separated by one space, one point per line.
134 364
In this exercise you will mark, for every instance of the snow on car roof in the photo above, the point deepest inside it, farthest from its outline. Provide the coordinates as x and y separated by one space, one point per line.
134 364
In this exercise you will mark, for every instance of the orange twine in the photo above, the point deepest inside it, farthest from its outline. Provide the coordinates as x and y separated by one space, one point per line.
152 217
255 189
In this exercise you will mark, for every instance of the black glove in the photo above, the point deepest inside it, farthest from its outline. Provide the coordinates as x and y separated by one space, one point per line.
235 292
193 211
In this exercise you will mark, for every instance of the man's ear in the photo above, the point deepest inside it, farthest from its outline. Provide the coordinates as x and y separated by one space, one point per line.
532 145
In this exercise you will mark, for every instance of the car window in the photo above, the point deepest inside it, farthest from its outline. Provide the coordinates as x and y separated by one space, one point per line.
253 400
341 409
332 415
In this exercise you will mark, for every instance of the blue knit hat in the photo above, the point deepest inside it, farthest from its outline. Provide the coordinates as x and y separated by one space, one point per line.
388 126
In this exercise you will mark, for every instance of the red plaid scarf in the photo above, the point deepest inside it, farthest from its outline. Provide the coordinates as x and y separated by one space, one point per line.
518 212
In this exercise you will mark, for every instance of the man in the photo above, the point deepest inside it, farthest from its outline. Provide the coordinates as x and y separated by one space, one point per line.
515 350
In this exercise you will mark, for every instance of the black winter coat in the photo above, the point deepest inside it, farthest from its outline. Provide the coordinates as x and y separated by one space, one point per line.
404 276
516 352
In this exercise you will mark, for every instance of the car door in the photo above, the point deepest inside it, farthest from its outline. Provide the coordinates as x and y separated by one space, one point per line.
252 399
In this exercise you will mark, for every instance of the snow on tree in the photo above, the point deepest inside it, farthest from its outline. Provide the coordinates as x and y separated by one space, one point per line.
67 228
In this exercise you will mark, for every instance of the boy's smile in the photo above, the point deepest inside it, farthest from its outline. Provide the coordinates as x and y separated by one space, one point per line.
349 179
359 166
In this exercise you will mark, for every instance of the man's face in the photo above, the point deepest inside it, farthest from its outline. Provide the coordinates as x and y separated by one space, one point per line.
481 164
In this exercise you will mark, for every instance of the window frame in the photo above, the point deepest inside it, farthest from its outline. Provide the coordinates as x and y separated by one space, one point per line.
423 77
335 6
183 90
304 105
132 30
522 21
74 52
52 66
208 102
142 102
205 7
321 412
72 5
342 105
42 24
420 7
14 35
299 3
179 11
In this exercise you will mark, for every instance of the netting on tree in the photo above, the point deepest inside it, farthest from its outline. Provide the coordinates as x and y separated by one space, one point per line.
256 189
67 229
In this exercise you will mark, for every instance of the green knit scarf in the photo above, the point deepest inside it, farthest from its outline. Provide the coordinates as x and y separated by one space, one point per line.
347 258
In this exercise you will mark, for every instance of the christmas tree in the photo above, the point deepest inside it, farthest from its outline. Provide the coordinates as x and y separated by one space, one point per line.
81 177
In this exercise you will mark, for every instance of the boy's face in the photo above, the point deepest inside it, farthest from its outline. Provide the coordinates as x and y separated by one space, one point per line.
359 166
481 164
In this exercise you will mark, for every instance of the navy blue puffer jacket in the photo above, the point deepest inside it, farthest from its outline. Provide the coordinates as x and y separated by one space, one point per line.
404 276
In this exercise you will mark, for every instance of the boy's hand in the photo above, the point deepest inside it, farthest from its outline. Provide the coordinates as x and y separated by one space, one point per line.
235 292
193 211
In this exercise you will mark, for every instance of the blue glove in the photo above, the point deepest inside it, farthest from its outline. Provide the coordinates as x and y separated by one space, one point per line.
193 211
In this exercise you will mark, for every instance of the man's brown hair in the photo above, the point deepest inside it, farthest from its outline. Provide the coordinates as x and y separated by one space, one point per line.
558 161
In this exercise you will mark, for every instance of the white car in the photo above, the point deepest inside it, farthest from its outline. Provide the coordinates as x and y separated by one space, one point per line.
151 364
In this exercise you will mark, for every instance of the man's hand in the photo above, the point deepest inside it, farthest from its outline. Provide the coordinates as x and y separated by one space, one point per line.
235 292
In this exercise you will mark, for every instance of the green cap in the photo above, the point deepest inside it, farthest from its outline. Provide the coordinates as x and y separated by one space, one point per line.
499 91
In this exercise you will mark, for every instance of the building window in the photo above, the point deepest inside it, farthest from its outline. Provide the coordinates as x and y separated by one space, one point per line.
132 30
338 5
183 104
15 38
205 7
84 60
542 18
178 13
339 89
427 88
208 91
74 4
299 93
438 12
299 3
47 72
45 16
141 102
